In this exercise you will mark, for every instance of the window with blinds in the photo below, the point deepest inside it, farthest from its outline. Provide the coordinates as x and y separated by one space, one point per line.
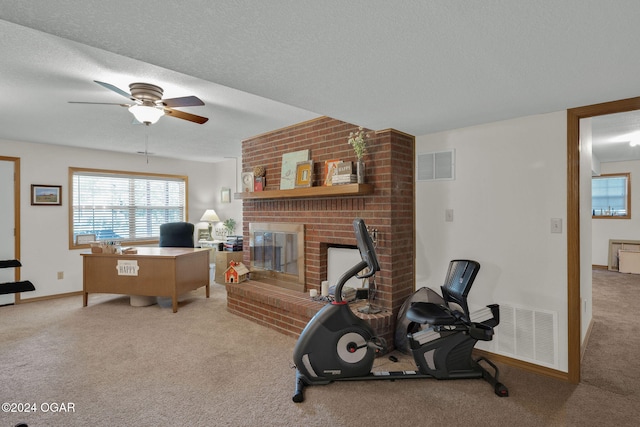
611 196
124 206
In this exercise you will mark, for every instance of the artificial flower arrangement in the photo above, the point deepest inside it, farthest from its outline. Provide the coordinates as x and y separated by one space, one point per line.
358 140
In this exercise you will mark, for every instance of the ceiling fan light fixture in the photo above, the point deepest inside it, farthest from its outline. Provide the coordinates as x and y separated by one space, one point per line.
148 106
146 114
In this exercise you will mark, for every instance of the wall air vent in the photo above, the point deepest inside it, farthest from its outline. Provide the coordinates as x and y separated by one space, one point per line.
436 166
527 334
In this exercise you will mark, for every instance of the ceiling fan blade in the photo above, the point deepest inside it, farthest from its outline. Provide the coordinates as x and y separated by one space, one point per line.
185 116
185 101
99 103
116 90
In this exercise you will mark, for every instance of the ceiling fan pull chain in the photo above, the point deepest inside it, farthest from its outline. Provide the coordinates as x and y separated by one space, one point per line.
146 144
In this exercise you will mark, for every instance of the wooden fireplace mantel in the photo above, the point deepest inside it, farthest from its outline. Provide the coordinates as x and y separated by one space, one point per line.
309 192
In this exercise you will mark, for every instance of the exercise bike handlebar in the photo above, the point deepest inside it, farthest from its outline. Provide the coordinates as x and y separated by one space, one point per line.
368 255
352 272
370 272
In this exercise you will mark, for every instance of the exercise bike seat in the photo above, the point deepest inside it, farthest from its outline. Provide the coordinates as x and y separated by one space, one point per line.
431 313
454 308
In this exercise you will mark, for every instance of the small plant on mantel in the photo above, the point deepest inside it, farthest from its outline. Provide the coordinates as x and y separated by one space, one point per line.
229 226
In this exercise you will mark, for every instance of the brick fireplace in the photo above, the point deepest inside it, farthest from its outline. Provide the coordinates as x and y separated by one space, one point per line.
327 220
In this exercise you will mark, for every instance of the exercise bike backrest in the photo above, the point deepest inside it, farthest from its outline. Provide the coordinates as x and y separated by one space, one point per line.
368 255
458 282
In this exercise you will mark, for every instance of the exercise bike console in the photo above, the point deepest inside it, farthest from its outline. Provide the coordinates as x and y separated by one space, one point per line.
338 345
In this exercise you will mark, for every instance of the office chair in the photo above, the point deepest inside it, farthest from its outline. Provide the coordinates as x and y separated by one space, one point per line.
176 235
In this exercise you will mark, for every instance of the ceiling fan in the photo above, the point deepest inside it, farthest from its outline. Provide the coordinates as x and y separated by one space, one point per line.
148 106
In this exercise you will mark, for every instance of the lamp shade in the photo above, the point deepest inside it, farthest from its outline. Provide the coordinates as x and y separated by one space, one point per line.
146 114
210 216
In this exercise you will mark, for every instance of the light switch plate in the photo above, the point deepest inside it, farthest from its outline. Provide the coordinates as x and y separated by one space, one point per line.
448 215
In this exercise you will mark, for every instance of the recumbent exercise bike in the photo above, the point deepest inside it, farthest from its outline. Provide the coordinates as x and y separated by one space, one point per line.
336 345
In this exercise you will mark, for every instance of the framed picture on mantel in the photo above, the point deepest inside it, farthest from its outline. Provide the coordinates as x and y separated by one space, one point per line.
289 168
304 174
330 167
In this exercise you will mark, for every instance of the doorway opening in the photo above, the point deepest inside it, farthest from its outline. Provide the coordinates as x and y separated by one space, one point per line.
10 227
574 267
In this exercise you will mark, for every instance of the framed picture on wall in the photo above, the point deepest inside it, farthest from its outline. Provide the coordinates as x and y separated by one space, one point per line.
225 195
46 195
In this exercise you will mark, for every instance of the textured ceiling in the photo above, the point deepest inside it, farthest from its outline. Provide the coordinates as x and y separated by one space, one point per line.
612 135
416 66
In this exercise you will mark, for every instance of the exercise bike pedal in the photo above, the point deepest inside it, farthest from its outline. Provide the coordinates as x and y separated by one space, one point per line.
378 344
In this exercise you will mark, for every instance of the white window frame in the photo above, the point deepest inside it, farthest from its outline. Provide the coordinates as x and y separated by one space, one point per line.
120 215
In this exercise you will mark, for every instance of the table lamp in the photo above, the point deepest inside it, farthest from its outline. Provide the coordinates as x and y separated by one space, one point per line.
210 216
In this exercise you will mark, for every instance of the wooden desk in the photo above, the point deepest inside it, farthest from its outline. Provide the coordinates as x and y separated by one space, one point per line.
162 272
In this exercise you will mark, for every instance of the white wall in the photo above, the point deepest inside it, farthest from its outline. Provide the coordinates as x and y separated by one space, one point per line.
628 229
227 175
510 180
44 229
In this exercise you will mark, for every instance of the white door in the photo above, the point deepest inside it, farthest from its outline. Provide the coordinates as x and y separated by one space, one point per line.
7 226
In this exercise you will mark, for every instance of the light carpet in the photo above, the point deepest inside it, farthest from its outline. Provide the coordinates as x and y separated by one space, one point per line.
120 365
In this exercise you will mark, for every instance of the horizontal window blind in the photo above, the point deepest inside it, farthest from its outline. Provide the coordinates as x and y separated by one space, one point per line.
610 195
125 207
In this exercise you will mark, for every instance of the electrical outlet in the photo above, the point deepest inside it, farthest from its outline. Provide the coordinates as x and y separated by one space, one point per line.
60 275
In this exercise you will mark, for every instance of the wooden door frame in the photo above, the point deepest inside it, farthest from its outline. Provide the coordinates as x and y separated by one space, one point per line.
573 222
16 214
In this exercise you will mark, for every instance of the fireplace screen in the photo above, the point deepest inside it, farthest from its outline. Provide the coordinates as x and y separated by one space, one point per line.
278 248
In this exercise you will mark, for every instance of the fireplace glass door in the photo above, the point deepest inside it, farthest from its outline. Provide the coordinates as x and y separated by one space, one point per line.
278 248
